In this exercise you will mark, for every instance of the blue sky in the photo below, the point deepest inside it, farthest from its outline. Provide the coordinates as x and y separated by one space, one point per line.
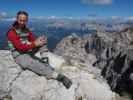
70 8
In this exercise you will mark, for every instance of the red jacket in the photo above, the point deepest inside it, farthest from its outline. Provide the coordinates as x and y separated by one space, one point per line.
15 40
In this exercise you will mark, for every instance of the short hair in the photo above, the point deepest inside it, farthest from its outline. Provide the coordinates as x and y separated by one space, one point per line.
22 12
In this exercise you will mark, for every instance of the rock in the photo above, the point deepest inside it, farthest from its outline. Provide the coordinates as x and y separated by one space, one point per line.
55 61
74 51
117 66
9 71
111 57
85 87
26 85
115 58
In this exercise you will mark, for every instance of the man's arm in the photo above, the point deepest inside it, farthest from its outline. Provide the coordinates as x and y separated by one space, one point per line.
31 37
15 40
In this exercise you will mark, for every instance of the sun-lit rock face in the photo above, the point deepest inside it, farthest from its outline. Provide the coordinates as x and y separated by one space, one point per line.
26 85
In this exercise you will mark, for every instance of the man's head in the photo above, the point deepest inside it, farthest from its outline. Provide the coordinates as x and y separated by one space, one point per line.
22 18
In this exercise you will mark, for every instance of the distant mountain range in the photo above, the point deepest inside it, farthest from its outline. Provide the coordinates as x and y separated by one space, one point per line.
57 28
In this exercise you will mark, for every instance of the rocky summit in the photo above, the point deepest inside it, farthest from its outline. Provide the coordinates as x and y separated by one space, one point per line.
100 66
18 84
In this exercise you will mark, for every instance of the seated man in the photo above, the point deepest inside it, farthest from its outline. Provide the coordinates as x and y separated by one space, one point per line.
23 46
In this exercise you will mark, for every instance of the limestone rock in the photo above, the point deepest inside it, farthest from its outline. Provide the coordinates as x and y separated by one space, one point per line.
26 85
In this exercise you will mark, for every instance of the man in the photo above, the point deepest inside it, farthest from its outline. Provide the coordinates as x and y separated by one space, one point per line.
23 45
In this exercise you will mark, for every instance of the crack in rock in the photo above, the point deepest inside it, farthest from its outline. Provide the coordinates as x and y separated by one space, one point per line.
11 83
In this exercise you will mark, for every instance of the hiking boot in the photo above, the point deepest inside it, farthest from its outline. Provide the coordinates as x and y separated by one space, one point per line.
7 97
65 81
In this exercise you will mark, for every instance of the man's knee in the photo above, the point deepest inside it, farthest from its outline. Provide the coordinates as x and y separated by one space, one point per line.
23 60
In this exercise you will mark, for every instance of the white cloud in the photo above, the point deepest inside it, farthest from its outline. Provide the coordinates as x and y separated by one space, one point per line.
99 2
116 18
3 14
40 17
52 17
130 18
9 19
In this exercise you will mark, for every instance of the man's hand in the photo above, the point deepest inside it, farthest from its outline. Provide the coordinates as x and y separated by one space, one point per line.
40 41
44 39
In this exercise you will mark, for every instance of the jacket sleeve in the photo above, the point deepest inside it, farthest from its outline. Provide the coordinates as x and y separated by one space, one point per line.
31 37
15 40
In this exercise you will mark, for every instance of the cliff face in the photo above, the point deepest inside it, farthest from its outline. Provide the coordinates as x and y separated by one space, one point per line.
116 59
118 67
112 54
18 84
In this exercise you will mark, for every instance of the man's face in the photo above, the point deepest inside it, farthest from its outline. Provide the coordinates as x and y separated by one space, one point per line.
22 20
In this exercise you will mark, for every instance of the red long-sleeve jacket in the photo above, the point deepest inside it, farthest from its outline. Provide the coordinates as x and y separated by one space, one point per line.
15 40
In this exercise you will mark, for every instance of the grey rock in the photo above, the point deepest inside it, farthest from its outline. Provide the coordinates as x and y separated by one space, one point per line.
112 56
26 85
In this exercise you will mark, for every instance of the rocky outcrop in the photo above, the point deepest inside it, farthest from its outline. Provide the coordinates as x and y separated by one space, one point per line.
116 59
9 71
112 53
19 84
